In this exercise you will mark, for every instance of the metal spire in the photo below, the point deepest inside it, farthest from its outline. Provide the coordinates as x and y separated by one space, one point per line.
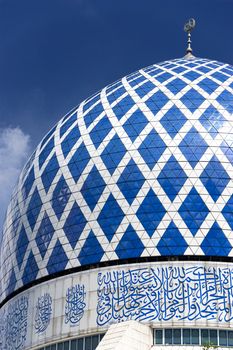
188 27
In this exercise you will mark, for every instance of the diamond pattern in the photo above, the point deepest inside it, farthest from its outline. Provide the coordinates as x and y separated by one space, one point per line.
110 217
215 242
91 251
113 154
44 235
193 146
22 245
131 181
173 121
34 208
215 178
172 242
152 148
130 245
151 212
172 178
193 211
58 259
74 225
61 196
153 161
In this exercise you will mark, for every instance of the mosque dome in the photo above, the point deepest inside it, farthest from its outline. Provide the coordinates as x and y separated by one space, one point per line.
141 170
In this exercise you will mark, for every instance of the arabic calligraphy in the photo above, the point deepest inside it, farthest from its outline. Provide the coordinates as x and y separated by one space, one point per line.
165 293
75 304
16 324
43 312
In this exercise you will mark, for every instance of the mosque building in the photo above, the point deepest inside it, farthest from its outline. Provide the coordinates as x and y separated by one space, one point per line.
119 232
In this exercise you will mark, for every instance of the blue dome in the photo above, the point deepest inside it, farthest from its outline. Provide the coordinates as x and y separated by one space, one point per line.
141 169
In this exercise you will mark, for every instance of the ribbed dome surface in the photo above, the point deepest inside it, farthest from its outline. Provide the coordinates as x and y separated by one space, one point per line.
143 168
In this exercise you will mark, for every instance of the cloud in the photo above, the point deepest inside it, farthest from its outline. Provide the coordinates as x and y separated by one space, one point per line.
14 151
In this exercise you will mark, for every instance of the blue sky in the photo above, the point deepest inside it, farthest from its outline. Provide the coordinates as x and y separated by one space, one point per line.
55 53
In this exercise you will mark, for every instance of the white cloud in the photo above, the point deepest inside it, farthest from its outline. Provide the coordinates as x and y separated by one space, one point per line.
14 151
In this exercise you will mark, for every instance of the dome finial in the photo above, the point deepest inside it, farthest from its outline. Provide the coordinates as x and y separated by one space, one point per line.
188 27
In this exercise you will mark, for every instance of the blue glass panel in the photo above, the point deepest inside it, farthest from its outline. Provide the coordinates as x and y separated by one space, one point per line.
123 107
21 247
130 245
172 242
44 235
113 154
143 89
78 162
93 114
157 101
31 270
50 172
172 178
214 178
151 212
135 124
176 85
193 146
208 85
110 217
34 208
61 196
212 120
116 94
100 131
228 151
173 121
58 259
89 103
93 187
228 212
46 151
215 243
193 211
191 75
152 148
28 182
192 99
226 100
74 225
91 251
65 126
130 181
70 140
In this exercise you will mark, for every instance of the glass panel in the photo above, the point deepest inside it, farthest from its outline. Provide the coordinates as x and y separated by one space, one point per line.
53 347
74 344
204 337
158 336
194 336
213 337
230 338
176 336
102 335
66 345
95 341
60 346
186 336
168 336
47 347
87 343
80 344
223 338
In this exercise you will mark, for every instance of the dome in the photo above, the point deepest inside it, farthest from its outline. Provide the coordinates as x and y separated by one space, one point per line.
143 169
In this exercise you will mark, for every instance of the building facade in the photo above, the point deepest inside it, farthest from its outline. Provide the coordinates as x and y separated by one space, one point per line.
122 217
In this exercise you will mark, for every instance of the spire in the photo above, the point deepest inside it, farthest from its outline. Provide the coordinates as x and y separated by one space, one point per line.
188 27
